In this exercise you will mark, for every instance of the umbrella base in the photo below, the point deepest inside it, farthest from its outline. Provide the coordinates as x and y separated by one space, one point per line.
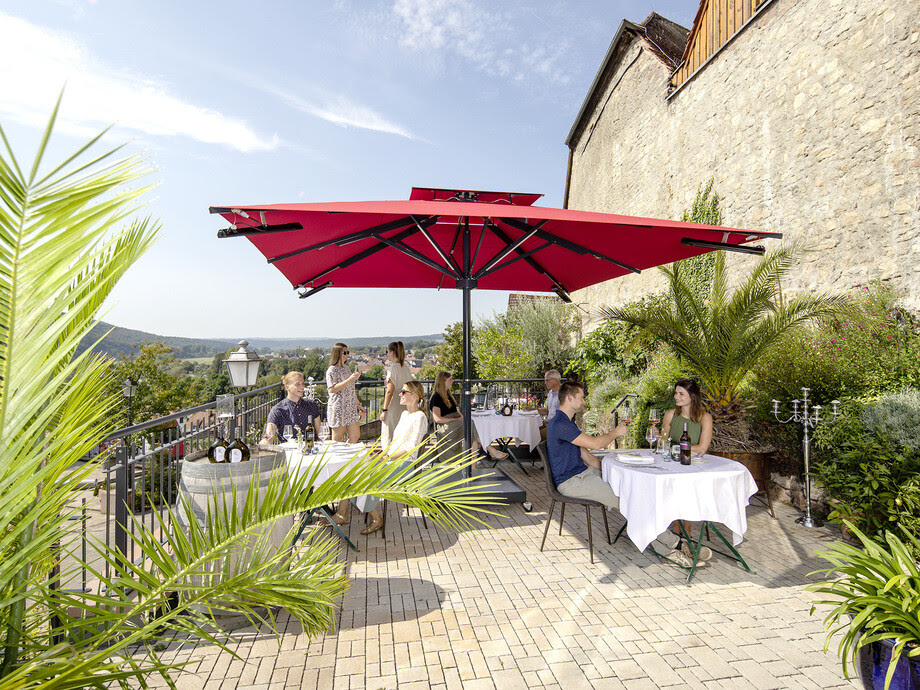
506 491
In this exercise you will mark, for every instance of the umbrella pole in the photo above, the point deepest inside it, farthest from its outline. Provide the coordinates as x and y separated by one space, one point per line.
466 286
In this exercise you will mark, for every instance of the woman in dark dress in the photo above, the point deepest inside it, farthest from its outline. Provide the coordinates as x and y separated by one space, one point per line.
449 422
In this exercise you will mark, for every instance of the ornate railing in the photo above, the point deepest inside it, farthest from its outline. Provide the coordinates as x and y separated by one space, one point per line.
138 467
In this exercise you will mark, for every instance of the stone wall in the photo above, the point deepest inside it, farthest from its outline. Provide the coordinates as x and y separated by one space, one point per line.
809 123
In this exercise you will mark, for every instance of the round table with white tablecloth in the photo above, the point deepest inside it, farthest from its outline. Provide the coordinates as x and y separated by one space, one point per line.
522 426
652 496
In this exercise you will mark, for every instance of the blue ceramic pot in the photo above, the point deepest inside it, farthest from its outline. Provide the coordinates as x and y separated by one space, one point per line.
873 660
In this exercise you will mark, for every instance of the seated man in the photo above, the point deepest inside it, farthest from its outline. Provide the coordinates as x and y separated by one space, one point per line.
294 410
576 472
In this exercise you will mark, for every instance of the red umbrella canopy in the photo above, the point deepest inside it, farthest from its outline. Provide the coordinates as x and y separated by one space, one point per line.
510 244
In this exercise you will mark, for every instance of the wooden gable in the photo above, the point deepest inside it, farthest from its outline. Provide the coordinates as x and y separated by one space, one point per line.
715 23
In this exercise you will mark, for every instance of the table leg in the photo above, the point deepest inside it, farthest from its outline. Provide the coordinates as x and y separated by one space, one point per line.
505 446
327 516
734 555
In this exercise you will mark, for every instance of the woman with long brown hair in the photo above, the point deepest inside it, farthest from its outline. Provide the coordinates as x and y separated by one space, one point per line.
344 410
449 421
397 373
689 411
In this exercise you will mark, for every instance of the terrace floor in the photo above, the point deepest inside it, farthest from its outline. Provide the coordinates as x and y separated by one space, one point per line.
487 609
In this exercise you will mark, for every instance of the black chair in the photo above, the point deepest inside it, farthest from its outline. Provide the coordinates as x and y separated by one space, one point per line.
556 496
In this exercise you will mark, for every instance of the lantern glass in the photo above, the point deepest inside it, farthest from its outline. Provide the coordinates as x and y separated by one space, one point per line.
243 366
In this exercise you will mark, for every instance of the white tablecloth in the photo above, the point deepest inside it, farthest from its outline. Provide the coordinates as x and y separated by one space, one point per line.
523 426
328 459
712 488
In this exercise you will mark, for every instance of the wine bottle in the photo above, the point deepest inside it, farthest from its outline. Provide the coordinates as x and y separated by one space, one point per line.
685 446
217 451
309 435
237 451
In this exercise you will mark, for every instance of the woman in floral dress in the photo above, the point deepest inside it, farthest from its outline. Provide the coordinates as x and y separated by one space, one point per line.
343 412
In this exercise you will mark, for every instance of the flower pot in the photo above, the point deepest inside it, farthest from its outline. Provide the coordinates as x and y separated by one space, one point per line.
873 660
758 465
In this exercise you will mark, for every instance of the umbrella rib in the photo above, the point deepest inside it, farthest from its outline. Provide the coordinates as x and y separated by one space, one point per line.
533 263
506 250
568 244
448 261
234 231
413 253
483 274
360 256
345 239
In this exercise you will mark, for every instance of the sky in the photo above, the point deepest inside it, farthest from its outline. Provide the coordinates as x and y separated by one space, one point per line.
280 101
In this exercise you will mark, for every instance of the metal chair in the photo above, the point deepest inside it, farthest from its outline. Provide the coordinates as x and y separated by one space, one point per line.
556 496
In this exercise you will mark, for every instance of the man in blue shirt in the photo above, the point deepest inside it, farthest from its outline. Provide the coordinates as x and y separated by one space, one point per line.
293 410
576 472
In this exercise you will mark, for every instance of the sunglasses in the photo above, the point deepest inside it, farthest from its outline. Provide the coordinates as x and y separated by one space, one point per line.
404 392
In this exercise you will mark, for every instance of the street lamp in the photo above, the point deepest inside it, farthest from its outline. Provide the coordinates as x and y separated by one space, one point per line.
243 366
128 389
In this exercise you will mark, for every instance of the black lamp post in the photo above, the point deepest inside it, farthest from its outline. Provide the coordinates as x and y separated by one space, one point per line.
243 367
128 389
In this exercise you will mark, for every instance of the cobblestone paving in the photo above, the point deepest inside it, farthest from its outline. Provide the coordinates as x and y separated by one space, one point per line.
487 609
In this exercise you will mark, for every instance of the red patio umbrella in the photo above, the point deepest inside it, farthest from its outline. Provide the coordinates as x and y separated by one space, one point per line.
464 239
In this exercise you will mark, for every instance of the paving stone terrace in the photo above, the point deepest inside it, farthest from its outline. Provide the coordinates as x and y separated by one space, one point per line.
486 609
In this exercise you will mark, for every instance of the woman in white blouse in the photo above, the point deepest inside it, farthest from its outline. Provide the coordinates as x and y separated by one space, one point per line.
405 442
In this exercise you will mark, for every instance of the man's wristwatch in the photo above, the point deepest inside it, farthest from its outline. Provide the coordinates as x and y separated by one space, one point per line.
383 409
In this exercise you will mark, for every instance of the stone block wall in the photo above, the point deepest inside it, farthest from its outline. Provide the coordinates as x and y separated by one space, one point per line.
809 123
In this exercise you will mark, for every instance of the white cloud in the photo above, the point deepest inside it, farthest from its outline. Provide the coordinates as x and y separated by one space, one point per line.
38 62
338 110
493 42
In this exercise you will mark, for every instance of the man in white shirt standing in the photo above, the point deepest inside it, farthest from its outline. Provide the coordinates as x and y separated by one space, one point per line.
553 381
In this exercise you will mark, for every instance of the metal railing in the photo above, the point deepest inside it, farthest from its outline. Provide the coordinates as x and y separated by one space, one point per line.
138 467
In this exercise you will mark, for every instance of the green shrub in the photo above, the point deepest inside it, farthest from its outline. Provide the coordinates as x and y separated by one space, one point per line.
872 349
898 416
869 466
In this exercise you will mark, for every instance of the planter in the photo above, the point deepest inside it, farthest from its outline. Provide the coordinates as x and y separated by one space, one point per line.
758 465
205 485
872 662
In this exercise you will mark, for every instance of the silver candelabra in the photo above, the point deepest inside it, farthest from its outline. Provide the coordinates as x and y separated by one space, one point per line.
808 420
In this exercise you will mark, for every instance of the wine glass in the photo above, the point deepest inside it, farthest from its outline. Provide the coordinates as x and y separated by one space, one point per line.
625 416
651 436
653 416
288 432
323 432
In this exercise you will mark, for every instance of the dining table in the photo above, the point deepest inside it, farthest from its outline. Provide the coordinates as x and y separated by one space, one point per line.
654 492
521 425
329 458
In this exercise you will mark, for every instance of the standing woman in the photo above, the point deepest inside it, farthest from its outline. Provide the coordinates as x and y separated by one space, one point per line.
397 374
407 437
689 410
343 412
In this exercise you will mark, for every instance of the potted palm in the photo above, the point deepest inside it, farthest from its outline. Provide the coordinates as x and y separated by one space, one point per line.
719 334
876 604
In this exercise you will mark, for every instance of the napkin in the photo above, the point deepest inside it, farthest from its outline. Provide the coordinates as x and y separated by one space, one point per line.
633 459
528 412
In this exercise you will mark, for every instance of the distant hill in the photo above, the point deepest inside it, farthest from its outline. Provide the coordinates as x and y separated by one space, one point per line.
121 340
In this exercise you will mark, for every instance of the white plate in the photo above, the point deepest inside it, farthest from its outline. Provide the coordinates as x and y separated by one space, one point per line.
630 459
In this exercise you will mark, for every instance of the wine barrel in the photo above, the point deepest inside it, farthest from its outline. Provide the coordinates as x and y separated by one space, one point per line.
204 484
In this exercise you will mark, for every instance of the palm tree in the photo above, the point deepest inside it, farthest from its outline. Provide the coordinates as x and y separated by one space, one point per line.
66 238
719 336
